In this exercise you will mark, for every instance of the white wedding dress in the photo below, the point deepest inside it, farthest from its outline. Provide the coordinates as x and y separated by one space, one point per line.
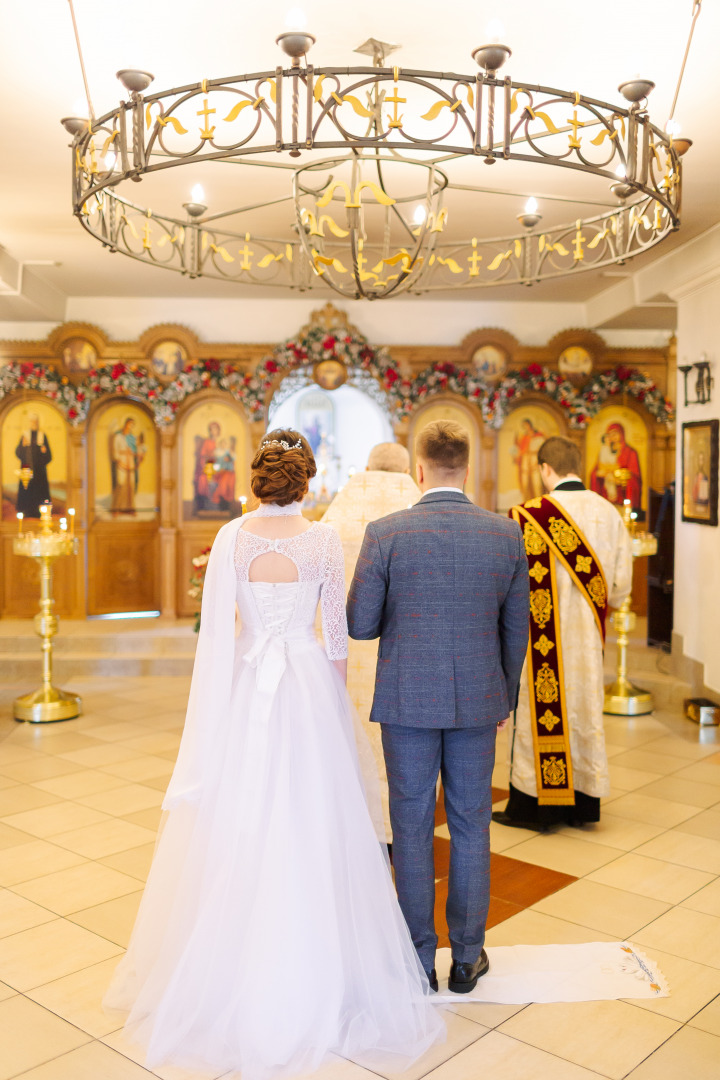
269 936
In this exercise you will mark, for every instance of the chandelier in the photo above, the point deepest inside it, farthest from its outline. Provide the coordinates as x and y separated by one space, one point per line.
366 160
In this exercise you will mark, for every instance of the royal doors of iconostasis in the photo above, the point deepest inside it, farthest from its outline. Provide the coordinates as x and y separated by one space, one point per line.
123 477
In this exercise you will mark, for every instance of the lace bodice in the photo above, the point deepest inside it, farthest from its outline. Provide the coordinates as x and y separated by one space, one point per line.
318 557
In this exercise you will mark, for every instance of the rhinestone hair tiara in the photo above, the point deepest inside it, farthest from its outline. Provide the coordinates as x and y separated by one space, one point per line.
281 442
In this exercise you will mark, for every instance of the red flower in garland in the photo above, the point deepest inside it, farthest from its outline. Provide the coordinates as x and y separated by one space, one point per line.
80 395
347 340
510 391
477 391
534 369
72 413
212 365
541 384
329 343
26 369
391 377
271 367
152 394
623 373
116 371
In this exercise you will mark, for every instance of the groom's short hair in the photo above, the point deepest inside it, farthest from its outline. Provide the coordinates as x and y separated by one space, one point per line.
445 445
561 454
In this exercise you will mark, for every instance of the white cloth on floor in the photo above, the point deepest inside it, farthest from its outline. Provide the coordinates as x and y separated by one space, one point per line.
595 971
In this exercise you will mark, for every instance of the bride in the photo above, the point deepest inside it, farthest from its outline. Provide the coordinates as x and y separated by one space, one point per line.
269 937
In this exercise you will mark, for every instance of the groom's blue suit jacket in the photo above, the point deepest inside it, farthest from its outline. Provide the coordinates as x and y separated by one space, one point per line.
445 587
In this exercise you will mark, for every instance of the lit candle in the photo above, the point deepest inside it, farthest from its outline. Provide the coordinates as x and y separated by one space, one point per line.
71 515
243 503
19 521
63 524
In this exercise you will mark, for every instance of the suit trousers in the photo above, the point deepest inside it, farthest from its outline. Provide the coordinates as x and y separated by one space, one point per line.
464 758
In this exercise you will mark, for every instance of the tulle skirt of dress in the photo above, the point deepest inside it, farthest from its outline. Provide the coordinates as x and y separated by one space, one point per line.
269 936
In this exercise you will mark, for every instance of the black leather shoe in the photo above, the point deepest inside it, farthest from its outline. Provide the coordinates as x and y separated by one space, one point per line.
432 979
464 977
502 818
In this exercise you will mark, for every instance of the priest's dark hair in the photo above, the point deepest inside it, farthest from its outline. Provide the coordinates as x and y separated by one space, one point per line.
561 454
281 475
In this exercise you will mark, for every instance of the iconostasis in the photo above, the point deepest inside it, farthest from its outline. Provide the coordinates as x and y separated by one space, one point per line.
151 441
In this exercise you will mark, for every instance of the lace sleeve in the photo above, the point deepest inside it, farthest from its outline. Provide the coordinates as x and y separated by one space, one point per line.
332 599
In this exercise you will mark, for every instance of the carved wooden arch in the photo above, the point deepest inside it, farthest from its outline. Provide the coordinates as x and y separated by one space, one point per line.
152 337
489 335
586 339
481 461
59 337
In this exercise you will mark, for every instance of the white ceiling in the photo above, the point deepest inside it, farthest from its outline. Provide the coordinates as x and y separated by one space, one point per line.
584 46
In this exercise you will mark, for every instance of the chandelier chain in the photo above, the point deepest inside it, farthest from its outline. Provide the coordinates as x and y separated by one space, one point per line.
697 6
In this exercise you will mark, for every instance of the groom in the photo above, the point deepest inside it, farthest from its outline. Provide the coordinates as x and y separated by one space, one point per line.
444 585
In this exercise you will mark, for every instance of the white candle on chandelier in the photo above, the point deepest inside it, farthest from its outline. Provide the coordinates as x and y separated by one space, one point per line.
672 128
71 515
296 19
621 171
420 214
63 524
531 206
494 32
197 195
110 159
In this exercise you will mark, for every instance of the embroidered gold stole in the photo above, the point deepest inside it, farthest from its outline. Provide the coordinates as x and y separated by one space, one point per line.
550 535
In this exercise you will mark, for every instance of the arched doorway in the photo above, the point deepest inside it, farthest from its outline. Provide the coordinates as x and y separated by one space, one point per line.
123 509
341 425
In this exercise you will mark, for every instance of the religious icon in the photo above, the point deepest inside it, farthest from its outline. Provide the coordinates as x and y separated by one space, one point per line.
78 355
125 464
329 374
522 434
700 472
490 362
213 439
168 359
575 362
34 459
617 456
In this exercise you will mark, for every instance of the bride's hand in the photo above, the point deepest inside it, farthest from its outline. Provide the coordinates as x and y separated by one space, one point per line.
341 668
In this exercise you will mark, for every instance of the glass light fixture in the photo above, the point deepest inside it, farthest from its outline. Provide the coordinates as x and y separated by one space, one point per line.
530 215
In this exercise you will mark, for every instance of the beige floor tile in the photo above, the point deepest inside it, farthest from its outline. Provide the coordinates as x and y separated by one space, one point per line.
113 920
140 769
681 848
135 862
502 838
644 759
123 800
86 782
30 860
160 742
610 1037
119 1041
118 731
531 927
6 782
706 899
704 772
654 811
30 1035
17 913
61 742
705 824
24 797
91 1062
149 819
708 1019
628 779
159 783
651 877
77 998
106 838
49 952
690 792
10 837
59 818
691 986
39 767
564 854
10 753
690 934
689 1054
78 888
460 1033
97 756
6 992
490 1016
600 907
499 1057
614 832
687 748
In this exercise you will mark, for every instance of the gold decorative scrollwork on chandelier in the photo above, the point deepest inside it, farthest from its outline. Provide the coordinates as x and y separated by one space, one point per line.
377 154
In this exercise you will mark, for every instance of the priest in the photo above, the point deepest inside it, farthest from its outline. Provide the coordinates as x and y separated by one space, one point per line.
384 488
580 562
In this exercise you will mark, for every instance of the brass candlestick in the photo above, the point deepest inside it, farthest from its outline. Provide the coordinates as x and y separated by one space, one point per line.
622 697
48 704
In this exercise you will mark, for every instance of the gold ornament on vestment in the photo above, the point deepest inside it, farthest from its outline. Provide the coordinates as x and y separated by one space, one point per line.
548 720
546 685
583 564
534 543
564 535
596 590
544 645
538 571
554 771
541 606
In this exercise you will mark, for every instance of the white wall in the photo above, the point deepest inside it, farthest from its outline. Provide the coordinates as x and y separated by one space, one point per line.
697 547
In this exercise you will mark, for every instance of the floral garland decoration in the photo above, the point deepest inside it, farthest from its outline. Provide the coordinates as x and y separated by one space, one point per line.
74 401
581 405
197 581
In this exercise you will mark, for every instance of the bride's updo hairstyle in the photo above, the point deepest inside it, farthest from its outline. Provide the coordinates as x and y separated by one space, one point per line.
282 467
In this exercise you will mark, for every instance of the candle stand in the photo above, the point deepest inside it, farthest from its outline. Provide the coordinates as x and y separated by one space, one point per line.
622 697
47 704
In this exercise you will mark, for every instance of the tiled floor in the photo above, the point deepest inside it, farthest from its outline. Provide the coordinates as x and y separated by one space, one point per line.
79 806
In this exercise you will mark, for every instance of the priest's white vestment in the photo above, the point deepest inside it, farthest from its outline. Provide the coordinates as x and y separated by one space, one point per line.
582 651
366 497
